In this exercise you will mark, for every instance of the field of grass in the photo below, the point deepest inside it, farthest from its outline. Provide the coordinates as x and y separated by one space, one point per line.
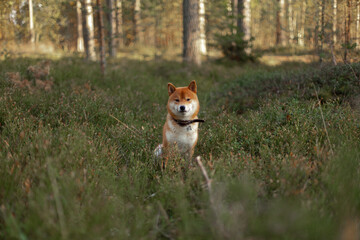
280 144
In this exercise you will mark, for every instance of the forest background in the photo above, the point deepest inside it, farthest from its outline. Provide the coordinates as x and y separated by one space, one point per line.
83 101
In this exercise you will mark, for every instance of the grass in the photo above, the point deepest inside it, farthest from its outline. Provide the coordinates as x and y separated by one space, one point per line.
69 170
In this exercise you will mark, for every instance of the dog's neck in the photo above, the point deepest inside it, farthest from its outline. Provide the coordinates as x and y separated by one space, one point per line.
183 123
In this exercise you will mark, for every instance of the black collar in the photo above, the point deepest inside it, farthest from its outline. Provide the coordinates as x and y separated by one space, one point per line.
183 123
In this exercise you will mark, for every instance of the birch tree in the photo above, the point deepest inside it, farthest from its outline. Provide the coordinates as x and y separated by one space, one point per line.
357 24
191 32
31 23
301 33
244 20
202 27
80 37
89 18
334 23
279 22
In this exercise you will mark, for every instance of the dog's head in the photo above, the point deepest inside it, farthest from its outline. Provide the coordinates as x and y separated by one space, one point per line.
183 102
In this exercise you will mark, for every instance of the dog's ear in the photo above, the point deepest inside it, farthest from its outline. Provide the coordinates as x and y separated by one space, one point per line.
171 88
192 86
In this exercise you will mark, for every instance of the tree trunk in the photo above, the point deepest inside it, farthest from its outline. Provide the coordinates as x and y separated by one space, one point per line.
234 7
240 16
244 23
348 23
244 20
301 33
230 12
138 34
334 26
80 38
90 53
317 27
290 22
279 19
357 24
191 32
111 16
85 32
119 23
31 23
294 25
202 27
101 36
322 31
347 27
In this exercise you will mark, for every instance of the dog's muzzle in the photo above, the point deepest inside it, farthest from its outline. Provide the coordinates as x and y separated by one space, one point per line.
182 108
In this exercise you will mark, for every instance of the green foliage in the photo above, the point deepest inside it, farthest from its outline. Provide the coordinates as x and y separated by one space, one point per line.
295 79
234 47
69 170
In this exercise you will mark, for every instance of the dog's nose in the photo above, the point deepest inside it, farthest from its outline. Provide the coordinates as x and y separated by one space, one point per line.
182 108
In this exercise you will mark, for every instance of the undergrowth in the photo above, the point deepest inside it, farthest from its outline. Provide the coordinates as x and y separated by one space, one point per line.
77 161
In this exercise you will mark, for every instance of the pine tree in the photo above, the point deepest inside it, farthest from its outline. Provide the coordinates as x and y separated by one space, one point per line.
119 23
101 36
80 38
191 32
111 17
138 34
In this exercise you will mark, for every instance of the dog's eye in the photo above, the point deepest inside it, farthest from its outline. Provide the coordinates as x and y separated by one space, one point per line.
177 100
188 99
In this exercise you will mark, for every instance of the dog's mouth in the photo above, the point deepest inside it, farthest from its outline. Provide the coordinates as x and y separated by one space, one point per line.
183 109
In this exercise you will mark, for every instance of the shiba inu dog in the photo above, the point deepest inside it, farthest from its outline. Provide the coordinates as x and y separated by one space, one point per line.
180 132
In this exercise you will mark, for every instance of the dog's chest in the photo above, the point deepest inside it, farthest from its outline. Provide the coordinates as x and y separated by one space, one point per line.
185 137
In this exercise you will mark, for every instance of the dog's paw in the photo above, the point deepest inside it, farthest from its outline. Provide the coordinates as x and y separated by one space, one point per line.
158 151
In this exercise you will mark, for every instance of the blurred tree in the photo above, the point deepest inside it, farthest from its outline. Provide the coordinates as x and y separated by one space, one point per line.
334 22
244 20
80 38
101 35
191 32
137 22
279 22
85 30
307 23
317 25
202 27
111 17
90 46
347 28
31 22
357 24
301 32
322 29
119 23
291 22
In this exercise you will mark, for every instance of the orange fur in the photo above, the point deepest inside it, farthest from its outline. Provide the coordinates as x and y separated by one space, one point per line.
183 104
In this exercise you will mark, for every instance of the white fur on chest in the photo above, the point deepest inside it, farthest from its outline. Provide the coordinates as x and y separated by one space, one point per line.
184 137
